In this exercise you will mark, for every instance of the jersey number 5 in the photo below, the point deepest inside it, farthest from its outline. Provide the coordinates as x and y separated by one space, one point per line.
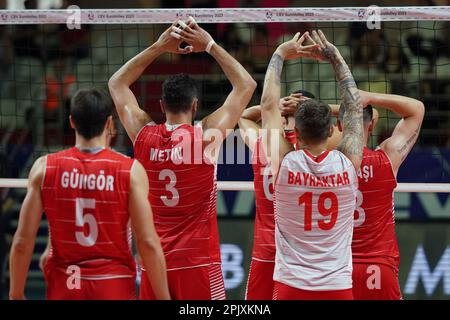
327 206
170 187
82 219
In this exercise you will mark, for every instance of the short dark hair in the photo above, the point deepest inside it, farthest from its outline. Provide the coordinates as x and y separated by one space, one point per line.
90 109
305 93
367 113
178 93
313 119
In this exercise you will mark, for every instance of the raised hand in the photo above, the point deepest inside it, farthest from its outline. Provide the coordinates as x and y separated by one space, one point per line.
327 51
294 48
289 104
197 37
167 43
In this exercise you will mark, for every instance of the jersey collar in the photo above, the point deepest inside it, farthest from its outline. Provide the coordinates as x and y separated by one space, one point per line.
319 158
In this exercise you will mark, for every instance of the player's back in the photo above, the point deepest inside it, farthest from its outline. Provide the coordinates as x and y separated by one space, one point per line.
264 231
314 205
374 239
182 193
85 198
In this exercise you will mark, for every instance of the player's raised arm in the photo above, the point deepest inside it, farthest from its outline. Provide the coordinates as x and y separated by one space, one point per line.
406 132
133 118
249 125
353 136
147 240
276 145
25 236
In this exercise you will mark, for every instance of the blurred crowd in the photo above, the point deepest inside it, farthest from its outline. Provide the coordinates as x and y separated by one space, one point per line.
41 66
47 63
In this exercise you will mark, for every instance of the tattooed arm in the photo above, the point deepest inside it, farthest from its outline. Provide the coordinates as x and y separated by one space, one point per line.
353 136
275 144
405 134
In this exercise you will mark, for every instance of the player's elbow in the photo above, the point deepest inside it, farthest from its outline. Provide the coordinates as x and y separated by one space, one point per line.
148 247
267 102
21 245
248 86
113 83
420 109
251 84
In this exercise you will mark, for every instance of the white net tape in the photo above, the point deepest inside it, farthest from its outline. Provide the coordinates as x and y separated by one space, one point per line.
248 186
73 15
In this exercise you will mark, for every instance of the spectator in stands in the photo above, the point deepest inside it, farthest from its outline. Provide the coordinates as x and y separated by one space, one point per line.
59 84
371 48
259 48
24 40
75 43
6 54
232 40
3 224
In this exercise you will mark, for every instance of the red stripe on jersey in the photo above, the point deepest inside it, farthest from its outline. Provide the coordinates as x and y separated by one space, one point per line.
182 195
374 239
85 197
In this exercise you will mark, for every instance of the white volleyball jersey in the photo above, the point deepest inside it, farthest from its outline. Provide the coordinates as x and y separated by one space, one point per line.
314 203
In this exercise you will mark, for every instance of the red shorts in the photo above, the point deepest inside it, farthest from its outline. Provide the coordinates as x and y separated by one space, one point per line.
373 281
260 280
285 292
198 283
106 289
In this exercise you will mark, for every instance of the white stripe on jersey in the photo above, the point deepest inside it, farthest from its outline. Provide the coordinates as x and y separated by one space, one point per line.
308 256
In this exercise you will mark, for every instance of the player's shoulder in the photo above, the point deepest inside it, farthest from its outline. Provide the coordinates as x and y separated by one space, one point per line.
376 157
336 155
148 128
60 154
115 155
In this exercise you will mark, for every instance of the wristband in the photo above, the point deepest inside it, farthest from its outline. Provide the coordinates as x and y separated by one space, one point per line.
209 46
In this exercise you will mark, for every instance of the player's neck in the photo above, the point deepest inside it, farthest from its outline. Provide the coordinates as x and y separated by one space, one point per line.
179 118
316 149
94 143
366 138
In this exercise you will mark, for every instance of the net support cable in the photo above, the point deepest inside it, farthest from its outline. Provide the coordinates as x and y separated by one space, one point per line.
248 186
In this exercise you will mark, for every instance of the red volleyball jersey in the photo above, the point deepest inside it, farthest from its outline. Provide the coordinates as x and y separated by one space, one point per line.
374 239
85 198
182 193
264 230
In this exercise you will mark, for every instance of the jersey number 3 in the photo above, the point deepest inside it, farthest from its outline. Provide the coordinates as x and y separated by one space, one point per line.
327 206
170 187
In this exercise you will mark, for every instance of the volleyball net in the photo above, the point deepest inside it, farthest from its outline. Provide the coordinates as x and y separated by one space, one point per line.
49 54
